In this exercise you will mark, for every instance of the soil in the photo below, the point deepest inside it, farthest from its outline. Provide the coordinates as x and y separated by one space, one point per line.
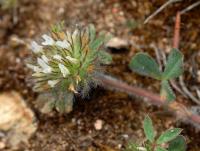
122 115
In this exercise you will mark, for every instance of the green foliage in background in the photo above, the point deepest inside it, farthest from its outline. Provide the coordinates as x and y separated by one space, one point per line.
172 137
66 62
8 4
144 64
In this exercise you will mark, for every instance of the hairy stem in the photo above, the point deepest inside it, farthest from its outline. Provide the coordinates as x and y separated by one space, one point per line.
177 108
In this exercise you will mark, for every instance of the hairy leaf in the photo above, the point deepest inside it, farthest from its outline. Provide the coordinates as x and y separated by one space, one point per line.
148 129
169 135
105 57
143 64
178 144
92 32
167 92
174 66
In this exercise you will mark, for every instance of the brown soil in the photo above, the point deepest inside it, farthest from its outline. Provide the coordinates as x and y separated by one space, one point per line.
122 114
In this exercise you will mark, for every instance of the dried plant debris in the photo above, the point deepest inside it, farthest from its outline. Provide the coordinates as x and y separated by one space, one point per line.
65 63
17 122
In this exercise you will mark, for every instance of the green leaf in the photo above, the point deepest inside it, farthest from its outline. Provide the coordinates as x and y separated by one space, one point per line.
160 149
178 144
105 57
143 64
94 45
148 129
131 147
174 65
168 135
92 32
167 92
64 102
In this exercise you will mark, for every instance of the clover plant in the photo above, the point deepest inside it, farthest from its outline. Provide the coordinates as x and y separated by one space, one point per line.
65 63
170 140
144 64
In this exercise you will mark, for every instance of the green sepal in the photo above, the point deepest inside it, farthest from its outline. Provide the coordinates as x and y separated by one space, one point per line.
92 32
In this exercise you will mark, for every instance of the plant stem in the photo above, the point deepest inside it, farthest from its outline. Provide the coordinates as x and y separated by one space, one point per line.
177 108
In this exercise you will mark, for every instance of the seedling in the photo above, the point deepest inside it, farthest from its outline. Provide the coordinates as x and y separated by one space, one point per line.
65 63
145 65
170 140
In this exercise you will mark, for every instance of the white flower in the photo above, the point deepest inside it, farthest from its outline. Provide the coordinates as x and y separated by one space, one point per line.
45 67
52 83
63 44
35 47
48 40
72 60
34 68
58 57
141 148
75 33
45 58
63 70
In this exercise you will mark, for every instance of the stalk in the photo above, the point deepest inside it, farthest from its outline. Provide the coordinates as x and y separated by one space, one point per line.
178 109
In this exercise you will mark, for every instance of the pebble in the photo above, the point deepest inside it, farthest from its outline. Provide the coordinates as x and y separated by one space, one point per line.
98 124
17 120
117 43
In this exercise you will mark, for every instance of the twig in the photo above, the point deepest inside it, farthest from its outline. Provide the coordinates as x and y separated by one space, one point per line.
179 109
160 9
198 92
176 45
189 94
158 56
190 7
177 31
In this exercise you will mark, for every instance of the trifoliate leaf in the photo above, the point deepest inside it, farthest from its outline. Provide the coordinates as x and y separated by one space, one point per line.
178 144
174 65
168 135
167 92
148 129
105 57
143 64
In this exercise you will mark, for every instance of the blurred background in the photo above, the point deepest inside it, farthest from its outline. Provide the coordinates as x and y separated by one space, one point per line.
120 115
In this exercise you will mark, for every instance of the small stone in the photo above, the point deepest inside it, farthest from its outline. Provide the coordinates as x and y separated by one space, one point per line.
119 146
2 145
98 124
17 120
117 44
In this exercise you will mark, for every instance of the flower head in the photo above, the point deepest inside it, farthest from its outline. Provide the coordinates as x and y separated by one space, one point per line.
67 60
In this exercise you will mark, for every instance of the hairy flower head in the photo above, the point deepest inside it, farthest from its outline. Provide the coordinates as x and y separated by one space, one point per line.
67 59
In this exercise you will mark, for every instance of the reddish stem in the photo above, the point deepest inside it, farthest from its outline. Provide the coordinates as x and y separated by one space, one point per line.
179 109
177 31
